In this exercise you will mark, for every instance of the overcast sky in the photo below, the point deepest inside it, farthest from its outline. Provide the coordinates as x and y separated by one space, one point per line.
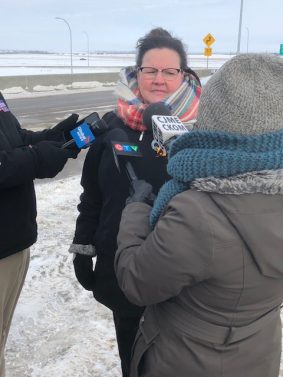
116 25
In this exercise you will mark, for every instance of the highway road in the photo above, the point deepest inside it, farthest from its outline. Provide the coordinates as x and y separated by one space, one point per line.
41 112
45 111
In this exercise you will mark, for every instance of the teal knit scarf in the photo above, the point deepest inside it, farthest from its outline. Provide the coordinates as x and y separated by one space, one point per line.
201 154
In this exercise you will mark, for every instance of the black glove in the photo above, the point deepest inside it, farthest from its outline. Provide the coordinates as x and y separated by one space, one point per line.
61 132
141 192
83 266
51 158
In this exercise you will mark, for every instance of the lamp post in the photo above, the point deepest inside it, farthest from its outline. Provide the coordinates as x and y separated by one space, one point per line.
248 37
71 44
87 38
240 28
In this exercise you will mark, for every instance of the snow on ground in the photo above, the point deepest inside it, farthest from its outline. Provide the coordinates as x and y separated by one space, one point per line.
75 87
39 64
58 328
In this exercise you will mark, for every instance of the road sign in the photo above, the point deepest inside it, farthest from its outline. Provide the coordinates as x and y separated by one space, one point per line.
207 51
209 39
281 49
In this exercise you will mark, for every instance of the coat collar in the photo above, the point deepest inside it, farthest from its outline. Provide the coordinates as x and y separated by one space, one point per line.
264 182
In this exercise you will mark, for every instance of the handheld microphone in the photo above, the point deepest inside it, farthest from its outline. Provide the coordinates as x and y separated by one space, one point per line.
84 134
122 147
165 127
157 108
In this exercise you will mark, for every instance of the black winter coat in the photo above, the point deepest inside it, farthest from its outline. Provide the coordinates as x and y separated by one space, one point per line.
18 168
105 190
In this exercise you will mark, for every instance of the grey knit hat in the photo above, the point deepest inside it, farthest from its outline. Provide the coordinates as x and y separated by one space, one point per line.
244 96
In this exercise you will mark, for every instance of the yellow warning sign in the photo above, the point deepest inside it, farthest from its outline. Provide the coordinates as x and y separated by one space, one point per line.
208 39
207 51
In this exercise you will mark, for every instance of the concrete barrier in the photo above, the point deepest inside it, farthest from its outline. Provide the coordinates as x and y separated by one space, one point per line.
30 81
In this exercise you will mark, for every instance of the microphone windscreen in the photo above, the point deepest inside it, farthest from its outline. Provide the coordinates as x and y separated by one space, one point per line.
117 134
99 127
157 108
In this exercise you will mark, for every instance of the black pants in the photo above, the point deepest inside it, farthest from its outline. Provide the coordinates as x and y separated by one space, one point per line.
126 315
126 329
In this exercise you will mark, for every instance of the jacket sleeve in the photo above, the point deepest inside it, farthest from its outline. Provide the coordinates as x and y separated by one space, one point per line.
18 162
34 137
17 166
154 266
30 137
89 212
91 197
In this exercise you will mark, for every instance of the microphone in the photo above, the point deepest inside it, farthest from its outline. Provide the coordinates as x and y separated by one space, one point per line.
84 134
165 127
157 108
122 147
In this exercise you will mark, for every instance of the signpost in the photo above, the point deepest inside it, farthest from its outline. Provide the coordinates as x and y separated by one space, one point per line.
208 40
281 49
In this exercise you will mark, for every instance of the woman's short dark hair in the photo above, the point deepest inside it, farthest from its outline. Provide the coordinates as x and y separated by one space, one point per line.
160 38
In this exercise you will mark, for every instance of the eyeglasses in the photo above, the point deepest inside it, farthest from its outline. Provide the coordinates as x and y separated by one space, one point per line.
168 74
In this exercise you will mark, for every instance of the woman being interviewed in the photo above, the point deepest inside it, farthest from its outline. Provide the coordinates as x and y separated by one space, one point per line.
161 74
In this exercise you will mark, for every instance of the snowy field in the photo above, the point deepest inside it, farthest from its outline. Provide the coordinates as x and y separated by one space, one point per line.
58 328
34 64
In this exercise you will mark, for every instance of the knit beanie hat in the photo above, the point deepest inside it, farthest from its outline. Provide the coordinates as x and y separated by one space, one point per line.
245 96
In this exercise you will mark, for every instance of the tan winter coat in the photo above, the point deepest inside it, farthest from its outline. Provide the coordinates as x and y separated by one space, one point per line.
211 276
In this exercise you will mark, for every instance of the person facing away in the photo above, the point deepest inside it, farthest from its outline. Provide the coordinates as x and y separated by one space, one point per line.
24 156
161 74
209 265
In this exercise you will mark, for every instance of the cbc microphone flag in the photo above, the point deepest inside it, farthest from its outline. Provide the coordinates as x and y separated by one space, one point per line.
82 135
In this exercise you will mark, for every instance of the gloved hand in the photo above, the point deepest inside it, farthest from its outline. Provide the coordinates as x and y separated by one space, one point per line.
61 132
51 158
141 192
83 266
